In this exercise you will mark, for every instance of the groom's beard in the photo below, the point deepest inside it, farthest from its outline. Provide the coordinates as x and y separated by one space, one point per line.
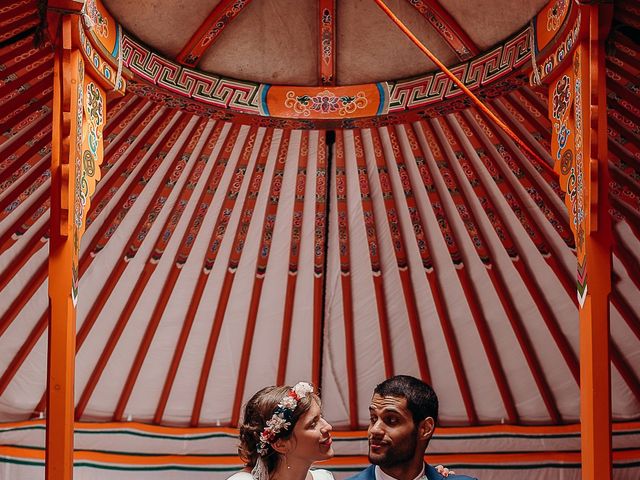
395 454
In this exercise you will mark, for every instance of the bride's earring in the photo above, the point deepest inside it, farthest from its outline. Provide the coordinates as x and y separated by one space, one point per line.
286 461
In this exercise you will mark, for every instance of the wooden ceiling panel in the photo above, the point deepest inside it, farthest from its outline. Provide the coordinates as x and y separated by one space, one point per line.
274 41
165 25
487 21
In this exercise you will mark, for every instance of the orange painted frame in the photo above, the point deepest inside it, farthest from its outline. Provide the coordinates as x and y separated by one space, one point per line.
578 111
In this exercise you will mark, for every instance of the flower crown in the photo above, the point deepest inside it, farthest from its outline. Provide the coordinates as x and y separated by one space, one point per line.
281 418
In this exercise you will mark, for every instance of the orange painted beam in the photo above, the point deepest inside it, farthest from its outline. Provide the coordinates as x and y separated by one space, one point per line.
79 105
61 362
327 42
447 27
323 176
595 375
210 30
578 113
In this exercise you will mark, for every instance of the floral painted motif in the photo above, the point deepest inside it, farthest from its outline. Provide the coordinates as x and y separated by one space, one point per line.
556 14
100 24
325 102
561 97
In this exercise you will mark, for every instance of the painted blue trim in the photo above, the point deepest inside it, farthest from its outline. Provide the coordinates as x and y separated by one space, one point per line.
382 99
114 53
263 100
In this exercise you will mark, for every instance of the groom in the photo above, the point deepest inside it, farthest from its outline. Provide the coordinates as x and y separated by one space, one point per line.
403 414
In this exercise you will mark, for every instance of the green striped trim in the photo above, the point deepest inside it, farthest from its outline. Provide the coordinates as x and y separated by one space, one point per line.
471 466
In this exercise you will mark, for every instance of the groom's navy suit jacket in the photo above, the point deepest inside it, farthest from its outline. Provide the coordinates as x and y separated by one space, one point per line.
431 473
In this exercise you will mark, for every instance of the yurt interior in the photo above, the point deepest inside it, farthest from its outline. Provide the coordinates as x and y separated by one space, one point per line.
203 198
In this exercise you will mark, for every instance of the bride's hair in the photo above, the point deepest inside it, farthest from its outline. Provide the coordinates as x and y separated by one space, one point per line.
258 410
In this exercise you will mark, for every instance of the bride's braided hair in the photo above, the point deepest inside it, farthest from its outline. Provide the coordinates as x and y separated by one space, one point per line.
258 410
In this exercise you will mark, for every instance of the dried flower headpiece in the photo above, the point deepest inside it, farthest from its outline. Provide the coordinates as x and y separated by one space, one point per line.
281 418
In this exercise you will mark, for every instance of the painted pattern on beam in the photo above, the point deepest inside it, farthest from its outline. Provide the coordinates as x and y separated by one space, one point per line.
327 47
206 94
210 30
447 27
566 95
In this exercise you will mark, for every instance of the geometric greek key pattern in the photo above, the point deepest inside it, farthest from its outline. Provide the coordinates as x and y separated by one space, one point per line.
207 88
490 75
476 73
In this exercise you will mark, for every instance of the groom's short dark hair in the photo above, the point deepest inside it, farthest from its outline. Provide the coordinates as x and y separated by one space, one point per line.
422 401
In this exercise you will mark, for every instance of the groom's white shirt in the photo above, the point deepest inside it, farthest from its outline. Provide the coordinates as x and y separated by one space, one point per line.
380 475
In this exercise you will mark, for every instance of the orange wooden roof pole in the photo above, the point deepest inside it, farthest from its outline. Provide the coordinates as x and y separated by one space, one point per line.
463 87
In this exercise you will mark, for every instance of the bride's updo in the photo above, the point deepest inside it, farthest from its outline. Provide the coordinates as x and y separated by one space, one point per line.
258 429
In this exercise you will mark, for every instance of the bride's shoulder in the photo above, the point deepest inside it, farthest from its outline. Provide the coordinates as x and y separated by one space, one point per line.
241 475
320 474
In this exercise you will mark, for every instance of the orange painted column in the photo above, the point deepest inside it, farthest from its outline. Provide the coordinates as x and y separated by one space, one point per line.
76 154
595 377
578 113
62 311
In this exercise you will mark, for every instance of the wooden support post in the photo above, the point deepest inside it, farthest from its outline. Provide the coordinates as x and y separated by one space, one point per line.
67 73
578 113
79 102
595 376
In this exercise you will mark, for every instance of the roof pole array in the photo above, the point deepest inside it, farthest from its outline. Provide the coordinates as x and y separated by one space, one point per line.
580 155
460 84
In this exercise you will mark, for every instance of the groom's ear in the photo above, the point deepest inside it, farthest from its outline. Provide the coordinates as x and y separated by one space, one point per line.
426 428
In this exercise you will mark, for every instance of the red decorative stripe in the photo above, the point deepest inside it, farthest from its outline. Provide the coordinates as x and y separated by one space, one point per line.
477 237
447 27
435 283
164 235
131 194
223 14
36 242
327 42
20 226
33 111
319 254
557 218
23 352
626 372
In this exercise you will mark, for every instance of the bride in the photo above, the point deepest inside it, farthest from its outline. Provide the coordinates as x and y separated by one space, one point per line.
283 434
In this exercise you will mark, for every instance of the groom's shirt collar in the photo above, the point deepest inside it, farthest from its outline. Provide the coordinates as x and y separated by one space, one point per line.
380 475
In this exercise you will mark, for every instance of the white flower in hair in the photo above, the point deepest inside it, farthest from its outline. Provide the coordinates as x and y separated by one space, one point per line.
281 417
302 389
289 403
277 423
